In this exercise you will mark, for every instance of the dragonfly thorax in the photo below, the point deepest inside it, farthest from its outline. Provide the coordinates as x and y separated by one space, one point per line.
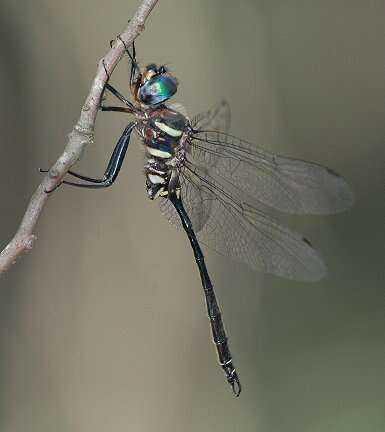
162 131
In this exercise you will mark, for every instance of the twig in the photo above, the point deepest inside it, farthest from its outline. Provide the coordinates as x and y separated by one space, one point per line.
81 135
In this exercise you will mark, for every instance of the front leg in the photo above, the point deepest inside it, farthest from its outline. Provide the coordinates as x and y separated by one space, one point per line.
113 167
119 96
115 109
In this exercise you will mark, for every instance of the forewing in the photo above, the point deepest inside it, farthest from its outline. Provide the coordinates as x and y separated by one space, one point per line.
289 185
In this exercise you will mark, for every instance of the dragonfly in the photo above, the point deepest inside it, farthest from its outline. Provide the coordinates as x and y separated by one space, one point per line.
217 188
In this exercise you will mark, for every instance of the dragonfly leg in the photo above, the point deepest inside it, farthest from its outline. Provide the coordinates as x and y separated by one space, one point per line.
113 166
119 96
132 57
213 310
116 109
105 70
116 93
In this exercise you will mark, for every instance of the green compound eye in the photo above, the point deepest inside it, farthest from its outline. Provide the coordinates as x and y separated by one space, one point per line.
158 89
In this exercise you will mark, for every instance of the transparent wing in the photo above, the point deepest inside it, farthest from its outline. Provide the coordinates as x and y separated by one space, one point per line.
218 118
288 185
224 182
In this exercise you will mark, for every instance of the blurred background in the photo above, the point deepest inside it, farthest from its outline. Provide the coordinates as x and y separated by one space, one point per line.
93 332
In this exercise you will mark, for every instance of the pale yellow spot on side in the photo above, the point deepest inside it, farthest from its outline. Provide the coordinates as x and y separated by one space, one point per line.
155 179
158 153
168 130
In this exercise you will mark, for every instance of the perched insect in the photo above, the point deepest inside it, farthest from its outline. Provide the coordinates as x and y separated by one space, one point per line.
215 186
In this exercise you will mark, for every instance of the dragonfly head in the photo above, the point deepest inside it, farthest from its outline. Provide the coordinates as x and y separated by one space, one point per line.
155 85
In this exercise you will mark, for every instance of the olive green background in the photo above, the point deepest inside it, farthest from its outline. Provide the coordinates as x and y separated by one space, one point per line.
102 325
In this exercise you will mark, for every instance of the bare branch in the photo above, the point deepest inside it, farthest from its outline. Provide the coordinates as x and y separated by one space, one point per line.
81 135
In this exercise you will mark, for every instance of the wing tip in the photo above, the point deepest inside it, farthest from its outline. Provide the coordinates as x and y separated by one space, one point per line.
318 270
343 192
346 196
313 269
349 195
